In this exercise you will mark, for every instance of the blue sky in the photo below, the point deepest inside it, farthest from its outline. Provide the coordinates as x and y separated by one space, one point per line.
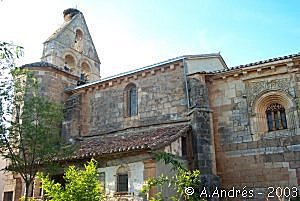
129 34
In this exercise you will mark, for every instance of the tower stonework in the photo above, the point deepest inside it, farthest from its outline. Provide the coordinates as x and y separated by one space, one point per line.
71 47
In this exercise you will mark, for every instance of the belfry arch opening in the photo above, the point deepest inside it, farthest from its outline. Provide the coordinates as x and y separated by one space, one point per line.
70 62
85 70
78 43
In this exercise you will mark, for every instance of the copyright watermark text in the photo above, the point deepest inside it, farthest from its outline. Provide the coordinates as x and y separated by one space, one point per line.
245 192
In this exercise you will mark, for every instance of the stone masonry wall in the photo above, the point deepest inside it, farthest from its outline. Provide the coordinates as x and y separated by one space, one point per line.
245 155
161 99
53 82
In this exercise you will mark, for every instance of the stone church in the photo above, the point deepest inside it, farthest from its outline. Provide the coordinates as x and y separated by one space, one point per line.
238 125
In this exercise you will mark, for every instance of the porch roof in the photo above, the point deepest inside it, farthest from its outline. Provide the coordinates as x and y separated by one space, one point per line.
148 139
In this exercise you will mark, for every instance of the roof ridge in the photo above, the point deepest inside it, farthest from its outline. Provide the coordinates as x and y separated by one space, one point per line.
146 68
258 62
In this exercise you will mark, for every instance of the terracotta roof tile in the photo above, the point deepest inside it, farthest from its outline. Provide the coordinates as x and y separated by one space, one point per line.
147 139
40 64
259 62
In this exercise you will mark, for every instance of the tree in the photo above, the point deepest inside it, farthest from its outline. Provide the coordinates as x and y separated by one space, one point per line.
81 185
8 52
29 123
182 180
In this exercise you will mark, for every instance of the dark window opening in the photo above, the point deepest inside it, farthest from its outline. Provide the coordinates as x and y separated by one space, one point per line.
183 146
130 101
59 179
276 117
8 196
122 183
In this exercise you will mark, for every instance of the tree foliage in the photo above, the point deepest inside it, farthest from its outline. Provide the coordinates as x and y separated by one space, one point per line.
182 179
9 51
81 185
29 123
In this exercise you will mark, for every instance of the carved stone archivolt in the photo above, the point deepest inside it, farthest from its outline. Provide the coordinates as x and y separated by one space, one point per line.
269 95
256 89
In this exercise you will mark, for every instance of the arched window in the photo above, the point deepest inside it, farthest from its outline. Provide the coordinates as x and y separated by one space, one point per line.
85 70
70 62
130 102
122 179
78 40
271 111
276 117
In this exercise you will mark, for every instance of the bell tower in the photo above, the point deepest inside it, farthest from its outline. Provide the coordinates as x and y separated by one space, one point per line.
71 47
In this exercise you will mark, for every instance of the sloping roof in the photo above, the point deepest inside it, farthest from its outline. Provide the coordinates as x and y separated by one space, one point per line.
152 66
291 56
61 28
45 64
40 64
131 141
